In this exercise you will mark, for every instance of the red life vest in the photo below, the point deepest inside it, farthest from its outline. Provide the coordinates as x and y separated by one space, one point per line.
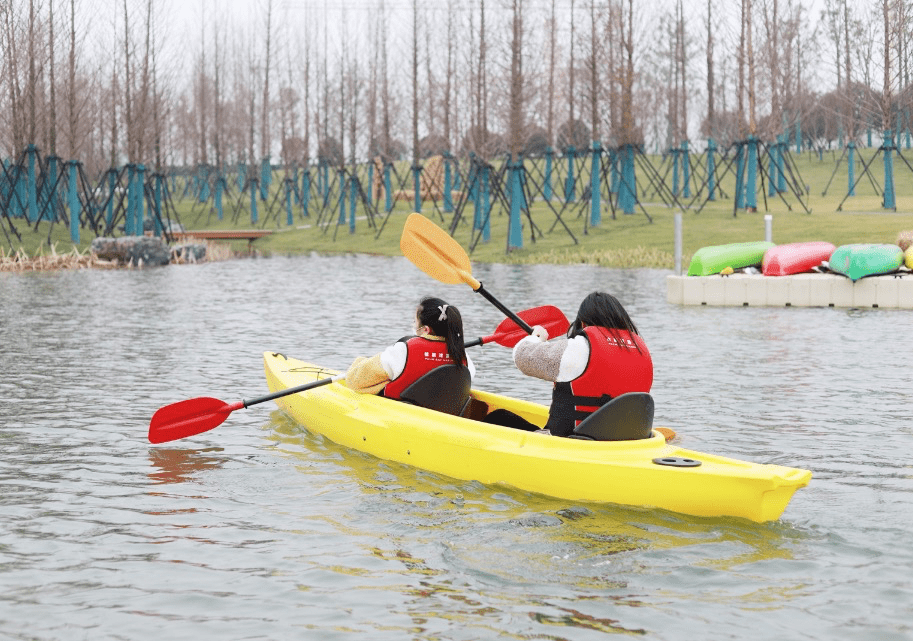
614 368
422 356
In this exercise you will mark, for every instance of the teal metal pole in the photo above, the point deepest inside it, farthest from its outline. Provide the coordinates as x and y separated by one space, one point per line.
751 187
515 230
220 188
157 219
140 200
203 180
686 170
740 176
569 181
448 187
547 186
289 217
417 183
242 174
342 198
798 137
595 185
388 189
627 193
73 202
306 192
889 202
32 201
325 175
254 188
711 169
112 182
129 228
266 178
50 186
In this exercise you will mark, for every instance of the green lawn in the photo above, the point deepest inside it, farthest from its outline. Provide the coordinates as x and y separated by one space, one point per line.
619 241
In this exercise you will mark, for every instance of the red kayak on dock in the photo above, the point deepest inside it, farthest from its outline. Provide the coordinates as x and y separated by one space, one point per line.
796 258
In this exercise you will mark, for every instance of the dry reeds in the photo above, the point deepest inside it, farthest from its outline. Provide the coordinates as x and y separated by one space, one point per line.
20 261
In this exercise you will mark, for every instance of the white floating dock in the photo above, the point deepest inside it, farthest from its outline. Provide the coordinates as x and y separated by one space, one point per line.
894 291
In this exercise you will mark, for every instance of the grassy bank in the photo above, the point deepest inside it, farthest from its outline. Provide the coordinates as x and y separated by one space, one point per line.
618 241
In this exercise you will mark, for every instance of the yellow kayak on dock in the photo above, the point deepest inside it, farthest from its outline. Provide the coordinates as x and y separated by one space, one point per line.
646 472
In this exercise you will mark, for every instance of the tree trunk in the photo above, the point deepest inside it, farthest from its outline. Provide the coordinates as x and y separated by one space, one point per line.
710 78
264 122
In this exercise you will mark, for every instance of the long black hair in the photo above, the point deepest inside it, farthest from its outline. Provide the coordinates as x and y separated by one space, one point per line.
603 310
443 320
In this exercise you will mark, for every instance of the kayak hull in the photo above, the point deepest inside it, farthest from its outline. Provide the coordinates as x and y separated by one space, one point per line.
622 472
859 260
715 258
795 258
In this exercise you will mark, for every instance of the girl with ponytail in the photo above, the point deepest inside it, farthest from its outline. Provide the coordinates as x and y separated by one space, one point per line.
438 341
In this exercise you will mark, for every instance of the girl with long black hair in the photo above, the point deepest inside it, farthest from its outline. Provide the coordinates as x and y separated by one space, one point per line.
438 341
602 357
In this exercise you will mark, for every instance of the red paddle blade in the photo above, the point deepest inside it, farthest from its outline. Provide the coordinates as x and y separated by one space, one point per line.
187 418
550 317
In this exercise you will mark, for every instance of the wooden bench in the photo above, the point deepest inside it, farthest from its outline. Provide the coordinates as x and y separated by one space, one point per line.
225 234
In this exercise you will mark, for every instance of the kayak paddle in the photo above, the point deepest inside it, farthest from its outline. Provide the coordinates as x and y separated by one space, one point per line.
436 253
197 415
509 333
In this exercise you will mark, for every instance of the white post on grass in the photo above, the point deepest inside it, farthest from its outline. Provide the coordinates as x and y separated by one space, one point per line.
678 243
768 227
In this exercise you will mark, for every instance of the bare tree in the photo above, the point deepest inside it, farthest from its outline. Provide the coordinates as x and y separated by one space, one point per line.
886 91
628 132
449 74
415 150
711 104
552 33
516 80
267 64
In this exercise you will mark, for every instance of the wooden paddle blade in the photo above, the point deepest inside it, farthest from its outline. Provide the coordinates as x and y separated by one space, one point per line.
667 433
435 252
550 317
190 417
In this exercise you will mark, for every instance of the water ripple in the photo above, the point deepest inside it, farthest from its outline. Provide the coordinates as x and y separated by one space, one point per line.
260 529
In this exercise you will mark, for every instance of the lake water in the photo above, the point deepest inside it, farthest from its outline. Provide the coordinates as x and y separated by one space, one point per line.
260 530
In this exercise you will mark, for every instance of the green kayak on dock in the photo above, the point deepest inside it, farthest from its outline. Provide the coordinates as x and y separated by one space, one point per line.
859 260
716 258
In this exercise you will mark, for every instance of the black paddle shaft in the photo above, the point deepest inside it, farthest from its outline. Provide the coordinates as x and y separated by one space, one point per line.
494 301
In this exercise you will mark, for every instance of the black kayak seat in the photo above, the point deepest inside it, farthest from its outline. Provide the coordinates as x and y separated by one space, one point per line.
627 417
445 389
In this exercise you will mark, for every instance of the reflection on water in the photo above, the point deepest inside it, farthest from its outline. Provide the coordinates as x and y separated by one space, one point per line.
260 529
177 466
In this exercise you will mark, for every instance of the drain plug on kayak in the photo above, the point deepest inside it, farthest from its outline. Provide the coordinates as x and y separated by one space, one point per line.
677 461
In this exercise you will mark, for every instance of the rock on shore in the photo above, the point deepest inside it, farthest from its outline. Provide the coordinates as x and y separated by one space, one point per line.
139 251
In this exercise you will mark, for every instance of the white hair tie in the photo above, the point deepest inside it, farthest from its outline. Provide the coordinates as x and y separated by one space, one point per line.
443 315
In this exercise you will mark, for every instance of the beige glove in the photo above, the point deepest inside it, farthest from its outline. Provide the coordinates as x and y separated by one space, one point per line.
540 333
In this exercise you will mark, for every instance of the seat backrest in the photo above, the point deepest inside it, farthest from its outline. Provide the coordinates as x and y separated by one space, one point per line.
627 417
445 389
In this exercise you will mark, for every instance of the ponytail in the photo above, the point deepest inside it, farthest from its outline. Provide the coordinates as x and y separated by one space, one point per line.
444 320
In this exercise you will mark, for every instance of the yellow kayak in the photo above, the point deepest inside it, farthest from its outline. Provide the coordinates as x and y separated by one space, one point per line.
647 472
